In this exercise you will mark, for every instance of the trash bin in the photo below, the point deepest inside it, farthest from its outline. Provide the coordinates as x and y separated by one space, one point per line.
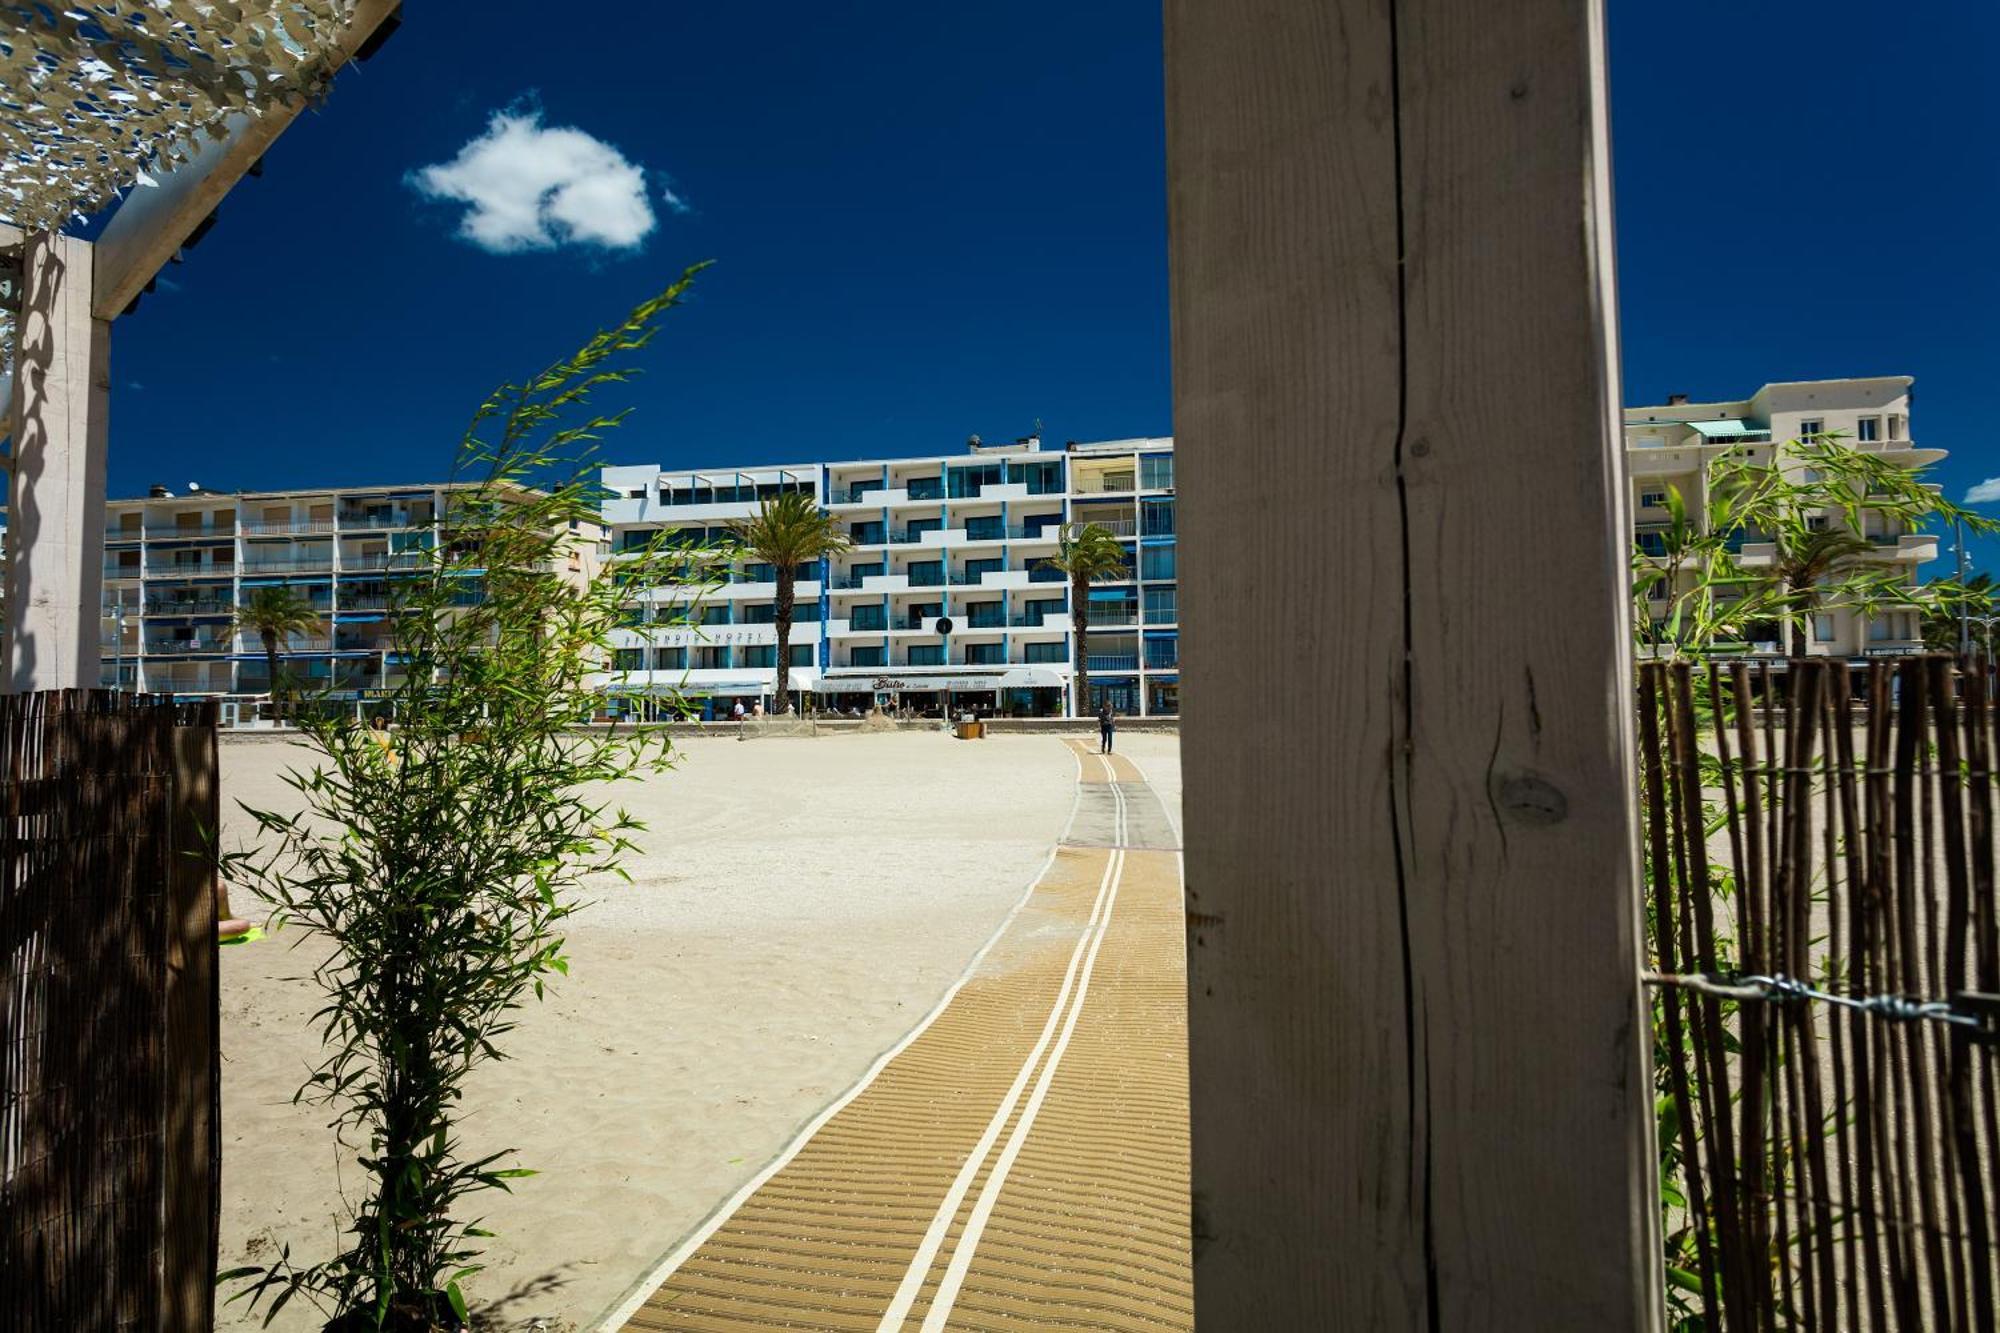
971 729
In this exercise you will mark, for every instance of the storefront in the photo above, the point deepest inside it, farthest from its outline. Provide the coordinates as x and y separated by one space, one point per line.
1018 691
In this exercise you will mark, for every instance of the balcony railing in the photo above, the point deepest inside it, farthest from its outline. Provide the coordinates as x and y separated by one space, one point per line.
401 518
290 562
256 527
1044 574
169 647
1162 615
986 622
388 560
176 572
203 606
1109 484
1112 615
1114 662
927 579
1032 621
1117 527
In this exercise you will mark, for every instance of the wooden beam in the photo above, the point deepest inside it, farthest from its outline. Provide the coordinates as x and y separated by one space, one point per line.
57 415
154 222
1421 1094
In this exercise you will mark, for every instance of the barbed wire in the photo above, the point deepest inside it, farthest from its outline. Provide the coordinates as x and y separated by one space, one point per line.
1978 1015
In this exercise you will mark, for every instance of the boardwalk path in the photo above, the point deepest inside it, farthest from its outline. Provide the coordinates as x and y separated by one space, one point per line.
1021 1160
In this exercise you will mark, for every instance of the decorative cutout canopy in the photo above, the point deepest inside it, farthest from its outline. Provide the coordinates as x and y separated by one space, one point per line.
93 93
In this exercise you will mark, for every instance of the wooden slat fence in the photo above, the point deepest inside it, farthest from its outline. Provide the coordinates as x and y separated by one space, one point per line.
109 1080
1820 865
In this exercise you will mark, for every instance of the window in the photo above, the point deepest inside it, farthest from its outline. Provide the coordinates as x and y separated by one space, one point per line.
759 655
1823 629
1161 607
864 657
988 529
1045 652
869 617
759 613
1157 562
1868 428
802 655
1156 518
927 654
1162 650
1811 427
927 574
715 615
926 488
868 534
1156 471
976 570
985 654
670 659
1652 499
1817 522
628 659
1897 427
986 615
711 659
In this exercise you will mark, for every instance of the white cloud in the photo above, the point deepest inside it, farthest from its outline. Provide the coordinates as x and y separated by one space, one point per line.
534 187
1986 492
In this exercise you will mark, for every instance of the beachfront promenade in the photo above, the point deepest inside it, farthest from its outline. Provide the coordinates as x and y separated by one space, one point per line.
1020 1159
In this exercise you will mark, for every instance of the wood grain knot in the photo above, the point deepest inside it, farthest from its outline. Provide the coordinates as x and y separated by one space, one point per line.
1532 800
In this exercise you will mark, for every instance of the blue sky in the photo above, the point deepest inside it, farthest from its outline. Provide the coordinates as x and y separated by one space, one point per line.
931 221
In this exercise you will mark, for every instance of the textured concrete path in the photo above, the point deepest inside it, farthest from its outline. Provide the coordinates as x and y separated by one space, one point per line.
1020 1161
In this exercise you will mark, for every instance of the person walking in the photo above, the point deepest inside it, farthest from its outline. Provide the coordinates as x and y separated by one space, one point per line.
1106 725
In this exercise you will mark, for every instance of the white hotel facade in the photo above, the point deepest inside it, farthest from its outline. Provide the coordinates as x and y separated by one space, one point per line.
1672 444
944 600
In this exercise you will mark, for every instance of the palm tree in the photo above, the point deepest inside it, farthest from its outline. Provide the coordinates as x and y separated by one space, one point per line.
1804 557
275 613
787 531
1089 554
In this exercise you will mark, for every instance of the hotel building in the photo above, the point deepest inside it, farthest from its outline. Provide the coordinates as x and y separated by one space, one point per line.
945 599
177 567
1674 444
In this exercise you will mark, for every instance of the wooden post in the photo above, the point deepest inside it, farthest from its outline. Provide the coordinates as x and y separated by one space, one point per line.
1421 1090
192 1056
57 420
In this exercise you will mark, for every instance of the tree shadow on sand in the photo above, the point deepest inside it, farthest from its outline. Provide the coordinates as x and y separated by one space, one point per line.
517 1312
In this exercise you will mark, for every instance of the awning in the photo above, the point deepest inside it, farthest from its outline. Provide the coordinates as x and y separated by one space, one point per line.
1729 428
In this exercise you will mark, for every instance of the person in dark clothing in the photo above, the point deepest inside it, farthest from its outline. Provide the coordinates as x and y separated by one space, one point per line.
1106 725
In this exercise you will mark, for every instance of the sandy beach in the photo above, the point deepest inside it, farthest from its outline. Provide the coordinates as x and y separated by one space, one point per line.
797 907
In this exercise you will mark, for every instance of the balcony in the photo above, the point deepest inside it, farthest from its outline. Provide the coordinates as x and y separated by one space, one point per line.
197 606
1113 662
199 646
283 526
1117 527
929 578
986 622
387 560
1112 615
1039 620
1045 574
385 519
171 571
1106 483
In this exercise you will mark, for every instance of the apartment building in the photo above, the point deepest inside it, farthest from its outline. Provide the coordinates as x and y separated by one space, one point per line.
177 567
945 600
1674 443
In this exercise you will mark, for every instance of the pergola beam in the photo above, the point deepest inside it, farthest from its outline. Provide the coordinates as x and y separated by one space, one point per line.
154 222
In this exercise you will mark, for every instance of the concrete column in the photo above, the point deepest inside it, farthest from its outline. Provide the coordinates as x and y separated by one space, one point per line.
57 419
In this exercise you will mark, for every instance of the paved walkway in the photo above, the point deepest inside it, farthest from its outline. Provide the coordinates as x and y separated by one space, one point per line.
1020 1161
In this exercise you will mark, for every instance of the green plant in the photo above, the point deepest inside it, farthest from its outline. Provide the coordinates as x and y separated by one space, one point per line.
1088 553
787 531
275 613
438 861
1783 538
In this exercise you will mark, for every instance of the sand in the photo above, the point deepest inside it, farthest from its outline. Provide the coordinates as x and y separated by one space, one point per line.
799 905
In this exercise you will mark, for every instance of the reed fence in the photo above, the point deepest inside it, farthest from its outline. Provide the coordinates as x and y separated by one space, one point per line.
1820 871
109 1082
